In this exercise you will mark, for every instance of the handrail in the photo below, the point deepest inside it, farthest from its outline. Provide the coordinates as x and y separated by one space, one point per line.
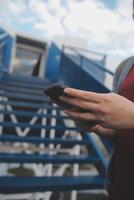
2 44
95 63
6 44
82 49
3 36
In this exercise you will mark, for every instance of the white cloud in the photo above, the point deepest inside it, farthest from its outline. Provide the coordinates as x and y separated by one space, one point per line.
124 7
47 22
51 27
13 8
39 9
88 15
109 31
26 20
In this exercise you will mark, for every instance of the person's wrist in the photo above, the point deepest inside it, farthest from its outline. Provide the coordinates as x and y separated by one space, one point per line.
132 118
129 124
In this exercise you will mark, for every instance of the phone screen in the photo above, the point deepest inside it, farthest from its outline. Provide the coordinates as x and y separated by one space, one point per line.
54 92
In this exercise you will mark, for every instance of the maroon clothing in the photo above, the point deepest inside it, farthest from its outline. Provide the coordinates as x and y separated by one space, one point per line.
122 186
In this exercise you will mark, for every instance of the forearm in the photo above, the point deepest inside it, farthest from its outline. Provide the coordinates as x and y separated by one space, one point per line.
129 118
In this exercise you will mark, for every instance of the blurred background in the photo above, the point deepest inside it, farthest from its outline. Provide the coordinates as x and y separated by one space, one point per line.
43 154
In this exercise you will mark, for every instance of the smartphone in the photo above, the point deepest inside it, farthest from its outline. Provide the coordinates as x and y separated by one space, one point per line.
54 91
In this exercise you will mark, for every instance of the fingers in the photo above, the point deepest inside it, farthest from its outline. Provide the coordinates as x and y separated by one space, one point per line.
85 127
84 123
85 105
99 130
81 116
86 95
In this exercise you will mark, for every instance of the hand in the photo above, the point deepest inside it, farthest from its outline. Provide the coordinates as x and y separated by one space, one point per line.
108 110
84 125
96 128
106 132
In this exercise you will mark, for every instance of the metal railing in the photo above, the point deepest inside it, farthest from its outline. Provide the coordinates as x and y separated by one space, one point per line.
79 52
90 61
5 50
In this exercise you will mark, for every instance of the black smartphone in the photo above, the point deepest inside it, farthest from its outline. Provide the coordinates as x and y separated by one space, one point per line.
54 91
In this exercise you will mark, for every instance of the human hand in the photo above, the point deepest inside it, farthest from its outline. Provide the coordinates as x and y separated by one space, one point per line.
106 132
96 128
85 125
108 110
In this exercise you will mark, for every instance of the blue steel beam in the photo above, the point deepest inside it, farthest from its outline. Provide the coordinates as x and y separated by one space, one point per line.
91 144
33 114
42 184
38 126
2 44
39 140
46 158
21 90
3 36
24 85
28 104
25 96
108 143
28 79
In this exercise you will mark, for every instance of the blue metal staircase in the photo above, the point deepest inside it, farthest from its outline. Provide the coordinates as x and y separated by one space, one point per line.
32 184
22 97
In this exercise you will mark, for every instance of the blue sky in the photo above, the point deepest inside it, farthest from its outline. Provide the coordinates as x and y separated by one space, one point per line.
106 24
110 3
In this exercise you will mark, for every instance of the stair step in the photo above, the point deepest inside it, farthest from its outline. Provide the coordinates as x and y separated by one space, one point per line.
45 158
42 184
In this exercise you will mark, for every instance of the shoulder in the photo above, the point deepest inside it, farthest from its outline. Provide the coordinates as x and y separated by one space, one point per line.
122 65
119 70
